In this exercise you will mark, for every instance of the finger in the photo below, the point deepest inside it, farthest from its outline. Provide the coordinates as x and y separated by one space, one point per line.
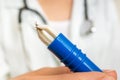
88 76
54 71
50 71
73 76
111 73
42 72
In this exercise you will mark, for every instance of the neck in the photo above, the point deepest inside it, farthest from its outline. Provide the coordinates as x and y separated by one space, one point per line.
57 9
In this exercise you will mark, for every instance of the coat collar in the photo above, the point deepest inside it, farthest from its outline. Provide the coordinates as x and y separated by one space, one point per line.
32 4
13 3
76 17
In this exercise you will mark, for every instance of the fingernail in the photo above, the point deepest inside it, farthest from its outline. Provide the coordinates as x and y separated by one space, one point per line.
108 78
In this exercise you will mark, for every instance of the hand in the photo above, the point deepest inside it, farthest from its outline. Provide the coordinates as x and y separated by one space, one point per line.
63 73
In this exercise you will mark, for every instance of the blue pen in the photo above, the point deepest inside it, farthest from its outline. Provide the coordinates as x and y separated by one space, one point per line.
67 53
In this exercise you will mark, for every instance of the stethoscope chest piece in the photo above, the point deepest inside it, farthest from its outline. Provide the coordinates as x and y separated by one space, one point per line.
87 28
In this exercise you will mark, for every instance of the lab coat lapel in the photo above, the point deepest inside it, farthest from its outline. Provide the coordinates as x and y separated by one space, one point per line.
11 38
76 18
32 43
11 4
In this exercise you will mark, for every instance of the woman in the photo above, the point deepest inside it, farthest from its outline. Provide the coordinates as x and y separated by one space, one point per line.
22 50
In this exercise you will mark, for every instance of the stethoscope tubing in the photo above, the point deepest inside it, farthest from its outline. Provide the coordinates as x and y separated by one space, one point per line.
25 7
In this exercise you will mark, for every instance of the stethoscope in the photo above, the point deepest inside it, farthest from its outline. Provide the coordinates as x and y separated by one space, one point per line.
25 7
86 28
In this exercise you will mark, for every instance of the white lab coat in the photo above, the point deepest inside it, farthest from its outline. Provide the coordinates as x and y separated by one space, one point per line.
22 51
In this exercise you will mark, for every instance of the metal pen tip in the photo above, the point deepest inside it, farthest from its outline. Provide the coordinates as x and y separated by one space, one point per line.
45 34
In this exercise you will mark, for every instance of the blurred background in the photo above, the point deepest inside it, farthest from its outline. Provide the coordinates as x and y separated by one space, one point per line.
118 6
19 44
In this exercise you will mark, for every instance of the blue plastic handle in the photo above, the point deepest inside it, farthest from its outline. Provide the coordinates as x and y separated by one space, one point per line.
71 56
